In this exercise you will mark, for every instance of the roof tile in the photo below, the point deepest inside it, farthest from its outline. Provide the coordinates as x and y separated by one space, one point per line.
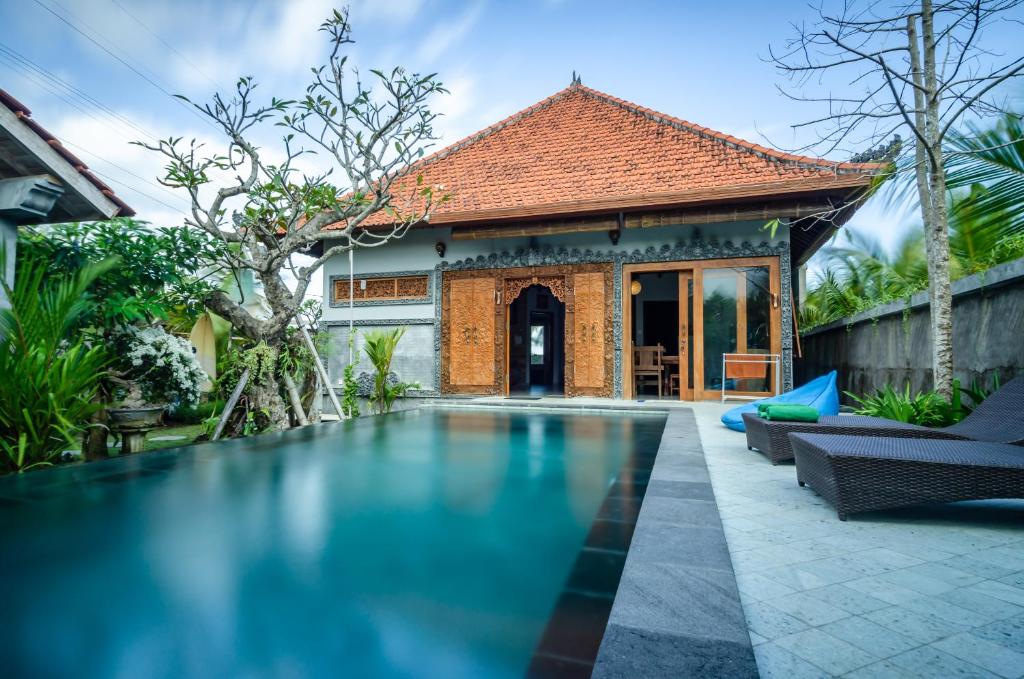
582 145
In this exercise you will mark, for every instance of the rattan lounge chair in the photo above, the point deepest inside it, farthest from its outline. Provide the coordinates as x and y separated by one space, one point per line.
860 473
998 419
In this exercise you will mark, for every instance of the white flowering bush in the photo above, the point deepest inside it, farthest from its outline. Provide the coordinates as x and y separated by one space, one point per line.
162 367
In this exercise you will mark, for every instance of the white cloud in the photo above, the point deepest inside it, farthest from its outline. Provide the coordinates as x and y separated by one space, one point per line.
447 32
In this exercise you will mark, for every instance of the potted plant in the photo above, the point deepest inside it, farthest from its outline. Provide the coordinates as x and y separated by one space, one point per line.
153 369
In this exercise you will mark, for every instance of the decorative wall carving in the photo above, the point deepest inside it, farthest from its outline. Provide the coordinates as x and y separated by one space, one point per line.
515 286
414 287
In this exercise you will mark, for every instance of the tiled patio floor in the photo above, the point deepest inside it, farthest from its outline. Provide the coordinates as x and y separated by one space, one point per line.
916 593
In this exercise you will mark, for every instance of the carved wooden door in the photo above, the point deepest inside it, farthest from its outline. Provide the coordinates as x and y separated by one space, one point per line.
471 339
588 330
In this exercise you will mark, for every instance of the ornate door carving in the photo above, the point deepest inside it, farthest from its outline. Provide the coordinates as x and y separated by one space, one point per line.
588 330
471 339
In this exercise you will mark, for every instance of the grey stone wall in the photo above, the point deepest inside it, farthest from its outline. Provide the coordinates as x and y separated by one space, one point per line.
891 343
414 358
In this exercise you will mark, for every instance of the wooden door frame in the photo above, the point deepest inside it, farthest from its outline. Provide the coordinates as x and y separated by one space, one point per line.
685 392
514 280
697 267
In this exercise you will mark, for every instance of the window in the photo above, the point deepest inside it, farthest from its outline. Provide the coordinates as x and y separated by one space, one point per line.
536 345
382 289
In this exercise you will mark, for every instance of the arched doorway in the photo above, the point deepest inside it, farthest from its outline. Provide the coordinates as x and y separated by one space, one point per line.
536 343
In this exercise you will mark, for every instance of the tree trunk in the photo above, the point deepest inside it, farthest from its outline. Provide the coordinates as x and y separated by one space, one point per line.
940 296
311 396
931 191
267 405
940 293
94 443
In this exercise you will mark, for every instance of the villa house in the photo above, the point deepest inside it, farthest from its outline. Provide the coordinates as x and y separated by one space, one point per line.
584 227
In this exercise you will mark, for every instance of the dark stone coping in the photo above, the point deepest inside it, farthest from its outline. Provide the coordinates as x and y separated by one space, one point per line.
677 611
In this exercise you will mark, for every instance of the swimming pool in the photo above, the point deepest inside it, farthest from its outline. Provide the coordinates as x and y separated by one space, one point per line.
430 543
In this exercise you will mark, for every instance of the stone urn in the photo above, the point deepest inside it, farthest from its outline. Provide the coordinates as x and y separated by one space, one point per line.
133 424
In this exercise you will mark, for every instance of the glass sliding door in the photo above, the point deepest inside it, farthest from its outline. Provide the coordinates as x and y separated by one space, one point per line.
737 319
709 309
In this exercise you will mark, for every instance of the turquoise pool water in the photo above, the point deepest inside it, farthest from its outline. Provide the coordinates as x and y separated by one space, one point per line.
431 543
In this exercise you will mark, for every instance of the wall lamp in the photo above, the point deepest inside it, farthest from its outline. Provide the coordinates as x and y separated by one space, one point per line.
441 248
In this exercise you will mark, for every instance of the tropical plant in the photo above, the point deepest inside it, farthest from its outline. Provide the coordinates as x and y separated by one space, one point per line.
350 386
157 278
993 158
380 348
928 409
50 374
350 392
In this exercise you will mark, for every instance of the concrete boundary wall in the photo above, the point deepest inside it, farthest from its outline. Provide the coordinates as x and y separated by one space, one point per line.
891 342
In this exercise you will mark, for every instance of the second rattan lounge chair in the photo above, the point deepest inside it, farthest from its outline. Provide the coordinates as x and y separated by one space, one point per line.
860 474
998 419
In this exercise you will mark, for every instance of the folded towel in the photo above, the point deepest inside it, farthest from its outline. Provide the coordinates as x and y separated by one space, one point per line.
789 412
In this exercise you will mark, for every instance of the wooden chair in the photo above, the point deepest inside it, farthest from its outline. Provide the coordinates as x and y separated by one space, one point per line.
647 366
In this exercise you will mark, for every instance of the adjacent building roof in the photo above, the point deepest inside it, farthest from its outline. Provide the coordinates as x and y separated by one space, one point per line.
583 152
27 148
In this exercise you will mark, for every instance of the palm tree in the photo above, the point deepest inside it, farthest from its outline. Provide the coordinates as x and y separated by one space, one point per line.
993 158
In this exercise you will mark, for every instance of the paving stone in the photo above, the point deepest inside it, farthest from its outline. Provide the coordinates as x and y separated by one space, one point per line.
1008 633
950 612
847 599
902 582
994 657
917 582
708 606
1015 580
944 573
924 628
645 653
808 609
990 607
869 636
885 591
1000 590
775 662
928 661
760 587
884 669
826 651
770 622
980 567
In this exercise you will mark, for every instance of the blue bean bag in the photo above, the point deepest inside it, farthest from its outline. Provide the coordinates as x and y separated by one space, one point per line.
820 393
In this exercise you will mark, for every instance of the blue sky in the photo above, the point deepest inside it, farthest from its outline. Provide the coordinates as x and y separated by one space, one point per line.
698 60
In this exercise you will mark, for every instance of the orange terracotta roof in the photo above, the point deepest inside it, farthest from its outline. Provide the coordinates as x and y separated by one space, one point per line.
22 112
582 151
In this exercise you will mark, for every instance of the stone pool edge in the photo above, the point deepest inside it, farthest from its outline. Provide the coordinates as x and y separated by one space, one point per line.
677 611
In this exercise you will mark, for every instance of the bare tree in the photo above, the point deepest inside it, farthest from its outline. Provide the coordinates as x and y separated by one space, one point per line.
271 212
902 67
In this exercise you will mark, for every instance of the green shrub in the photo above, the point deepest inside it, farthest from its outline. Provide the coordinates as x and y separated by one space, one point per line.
195 414
50 373
350 392
927 409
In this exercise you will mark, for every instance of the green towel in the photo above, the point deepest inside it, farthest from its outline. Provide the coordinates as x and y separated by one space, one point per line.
788 412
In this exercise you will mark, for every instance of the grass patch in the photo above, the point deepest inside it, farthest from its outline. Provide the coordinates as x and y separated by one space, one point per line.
189 431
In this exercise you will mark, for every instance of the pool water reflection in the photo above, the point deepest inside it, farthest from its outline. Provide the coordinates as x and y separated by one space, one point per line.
430 543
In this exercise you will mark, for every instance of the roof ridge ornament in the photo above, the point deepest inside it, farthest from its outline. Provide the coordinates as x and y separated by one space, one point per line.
577 79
